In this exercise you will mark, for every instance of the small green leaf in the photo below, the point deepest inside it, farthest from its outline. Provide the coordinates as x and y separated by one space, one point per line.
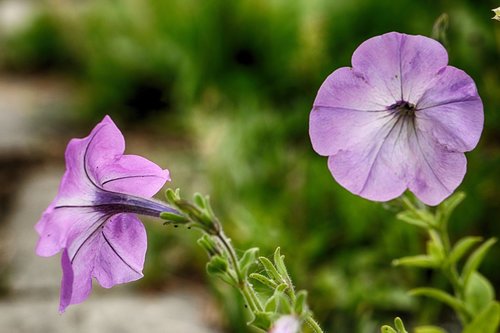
398 323
200 200
172 196
217 265
387 329
475 259
442 296
264 280
487 321
207 243
435 251
263 320
461 248
412 218
416 261
478 293
301 307
174 218
280 265
271 270
429 329
248 259
448 206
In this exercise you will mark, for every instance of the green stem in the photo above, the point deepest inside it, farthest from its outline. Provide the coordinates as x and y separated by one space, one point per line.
242 283
313 324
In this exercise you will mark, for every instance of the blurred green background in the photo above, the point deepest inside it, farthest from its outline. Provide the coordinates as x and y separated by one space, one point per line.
224 89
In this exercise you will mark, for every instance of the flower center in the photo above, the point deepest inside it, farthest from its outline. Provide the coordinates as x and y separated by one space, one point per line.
403 108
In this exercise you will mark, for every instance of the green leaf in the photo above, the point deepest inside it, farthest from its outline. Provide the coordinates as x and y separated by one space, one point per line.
174 218
475 260
448 206
200 200
263 320
264 280
435 251
248 259
429 329
217 265
271 270
487 321
442 296
421 220
387 329
398 323
301 307
208 243
280 266
461 248
478 293
417 261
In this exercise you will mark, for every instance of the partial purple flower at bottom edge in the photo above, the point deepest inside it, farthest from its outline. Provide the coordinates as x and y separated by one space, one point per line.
93 221
286 324
399 119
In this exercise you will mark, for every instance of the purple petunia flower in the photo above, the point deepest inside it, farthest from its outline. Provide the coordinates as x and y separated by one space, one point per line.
92 219
399 119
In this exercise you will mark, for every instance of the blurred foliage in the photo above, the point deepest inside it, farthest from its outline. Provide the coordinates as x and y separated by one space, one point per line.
237 79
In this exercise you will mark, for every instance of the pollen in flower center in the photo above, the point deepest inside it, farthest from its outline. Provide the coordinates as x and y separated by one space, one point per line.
403 108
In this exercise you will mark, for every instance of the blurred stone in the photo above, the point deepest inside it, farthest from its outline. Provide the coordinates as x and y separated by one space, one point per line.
173 313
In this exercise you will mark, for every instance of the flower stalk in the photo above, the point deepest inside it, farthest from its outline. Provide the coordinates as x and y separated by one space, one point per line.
236 271
473 295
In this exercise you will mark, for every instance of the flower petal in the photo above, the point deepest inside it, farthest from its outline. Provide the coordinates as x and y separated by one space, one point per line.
348 88
333 128
132 174
378 59
56 223
375 166
436 171
121 257
451 110
421 59
111 249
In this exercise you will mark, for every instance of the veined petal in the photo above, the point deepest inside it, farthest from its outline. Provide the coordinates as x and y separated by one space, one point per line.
132 174
347 88
76 282
56 223
421 59
436 170
451 110
121 257
333 128
379 60
111 249
375 167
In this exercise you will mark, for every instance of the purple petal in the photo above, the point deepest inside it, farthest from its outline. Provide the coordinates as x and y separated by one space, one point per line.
286 324
132 174
378 59
348 88
375 166
421 59
451 110
111 249
56 223
333 128
436 171
121 257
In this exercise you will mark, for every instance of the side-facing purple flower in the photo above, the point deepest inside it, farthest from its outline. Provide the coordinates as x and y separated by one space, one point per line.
399 119
92 219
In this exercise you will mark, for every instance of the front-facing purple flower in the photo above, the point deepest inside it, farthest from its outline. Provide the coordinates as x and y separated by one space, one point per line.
93 219
399 119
